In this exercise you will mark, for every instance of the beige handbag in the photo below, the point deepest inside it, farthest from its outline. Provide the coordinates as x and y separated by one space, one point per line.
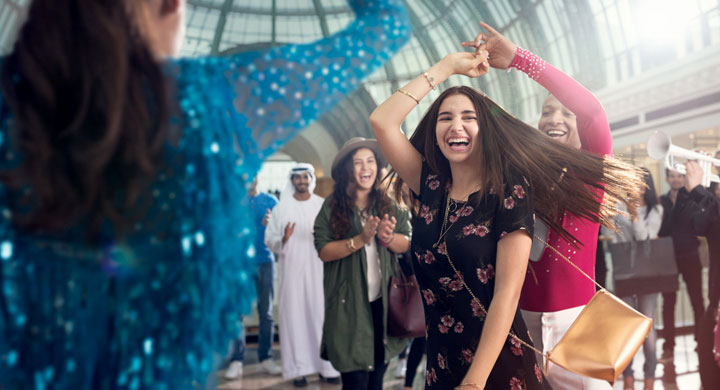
603 339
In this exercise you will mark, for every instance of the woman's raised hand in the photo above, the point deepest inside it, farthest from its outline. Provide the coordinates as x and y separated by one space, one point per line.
467 63
501 49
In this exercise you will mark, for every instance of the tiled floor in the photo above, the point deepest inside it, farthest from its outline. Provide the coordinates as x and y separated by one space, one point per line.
686 367
255 379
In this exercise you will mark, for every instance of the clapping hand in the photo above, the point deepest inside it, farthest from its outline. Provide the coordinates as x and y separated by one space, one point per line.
370 228
289 230
386 228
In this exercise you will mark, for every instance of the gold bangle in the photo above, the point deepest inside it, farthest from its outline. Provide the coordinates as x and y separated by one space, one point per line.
404 92
350 244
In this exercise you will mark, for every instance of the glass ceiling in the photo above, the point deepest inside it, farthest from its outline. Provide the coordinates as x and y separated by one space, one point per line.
598 42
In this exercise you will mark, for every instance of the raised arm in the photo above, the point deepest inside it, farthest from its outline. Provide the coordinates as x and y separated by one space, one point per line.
593 126
389 115
709 206
283 89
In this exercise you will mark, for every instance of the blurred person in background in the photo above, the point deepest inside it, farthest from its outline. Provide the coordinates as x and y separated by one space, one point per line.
678 212
645 226
707 223
301 303
261 204
358 233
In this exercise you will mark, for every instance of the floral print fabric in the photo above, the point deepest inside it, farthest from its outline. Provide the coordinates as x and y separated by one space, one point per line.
454 320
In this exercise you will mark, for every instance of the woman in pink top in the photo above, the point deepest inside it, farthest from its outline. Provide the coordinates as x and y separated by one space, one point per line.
554 293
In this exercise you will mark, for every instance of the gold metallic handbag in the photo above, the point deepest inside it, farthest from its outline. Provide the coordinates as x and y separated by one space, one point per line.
601 341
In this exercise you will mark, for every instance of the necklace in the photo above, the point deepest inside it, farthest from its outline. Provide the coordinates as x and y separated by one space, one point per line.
443 230
451 205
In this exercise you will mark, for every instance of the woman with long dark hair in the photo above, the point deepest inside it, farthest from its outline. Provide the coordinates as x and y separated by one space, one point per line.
573 116
126 229
357 234
645 226
481 176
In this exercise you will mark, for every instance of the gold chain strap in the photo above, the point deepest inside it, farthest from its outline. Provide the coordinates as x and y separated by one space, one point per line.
569 261
443 232
462 279
482 307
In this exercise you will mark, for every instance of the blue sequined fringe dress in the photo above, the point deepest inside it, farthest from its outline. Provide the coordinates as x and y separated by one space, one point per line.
156 309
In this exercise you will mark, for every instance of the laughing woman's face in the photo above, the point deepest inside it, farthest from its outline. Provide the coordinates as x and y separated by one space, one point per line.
559 123
365 168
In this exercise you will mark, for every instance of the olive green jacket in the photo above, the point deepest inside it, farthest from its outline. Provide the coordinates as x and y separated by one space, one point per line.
347 340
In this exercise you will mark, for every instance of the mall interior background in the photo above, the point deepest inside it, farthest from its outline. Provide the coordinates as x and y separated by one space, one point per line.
654 65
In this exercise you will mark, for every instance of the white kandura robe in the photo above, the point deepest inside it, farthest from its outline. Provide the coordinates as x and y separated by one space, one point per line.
301 301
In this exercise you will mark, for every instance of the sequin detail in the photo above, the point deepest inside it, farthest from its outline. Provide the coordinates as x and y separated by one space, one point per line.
528 63
156 310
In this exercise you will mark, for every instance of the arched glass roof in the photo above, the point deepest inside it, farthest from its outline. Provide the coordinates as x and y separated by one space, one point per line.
599 42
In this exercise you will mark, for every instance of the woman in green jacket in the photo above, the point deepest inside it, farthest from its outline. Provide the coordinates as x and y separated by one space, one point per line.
357 233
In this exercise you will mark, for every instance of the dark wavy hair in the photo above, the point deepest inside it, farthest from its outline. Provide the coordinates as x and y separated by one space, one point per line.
562 178
90 107
343 198
650 197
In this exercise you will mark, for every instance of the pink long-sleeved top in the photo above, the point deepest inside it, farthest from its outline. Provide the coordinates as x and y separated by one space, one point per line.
551 284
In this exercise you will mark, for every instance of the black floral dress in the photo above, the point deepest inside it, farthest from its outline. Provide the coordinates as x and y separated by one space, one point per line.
454 320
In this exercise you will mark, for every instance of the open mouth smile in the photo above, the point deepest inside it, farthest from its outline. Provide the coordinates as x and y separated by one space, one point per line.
458 143
556 133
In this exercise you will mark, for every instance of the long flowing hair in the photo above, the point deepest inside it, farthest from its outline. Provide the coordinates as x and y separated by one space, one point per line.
650 197
344 193
90 108
563 179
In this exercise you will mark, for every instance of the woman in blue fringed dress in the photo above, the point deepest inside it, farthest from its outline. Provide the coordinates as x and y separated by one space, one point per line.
125 228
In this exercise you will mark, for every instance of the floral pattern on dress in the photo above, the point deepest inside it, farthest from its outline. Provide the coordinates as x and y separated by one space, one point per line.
427 257
432 182
476 230
515 346
429 297
517 384
486 274
455 319
427 214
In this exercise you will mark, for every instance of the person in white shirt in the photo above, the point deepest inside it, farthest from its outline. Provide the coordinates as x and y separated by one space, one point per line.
644 227
301 301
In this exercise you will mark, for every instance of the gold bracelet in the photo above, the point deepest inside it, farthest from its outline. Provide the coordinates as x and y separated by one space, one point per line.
350 244
409 94
430 80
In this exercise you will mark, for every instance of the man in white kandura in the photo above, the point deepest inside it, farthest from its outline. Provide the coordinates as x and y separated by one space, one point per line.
300 277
